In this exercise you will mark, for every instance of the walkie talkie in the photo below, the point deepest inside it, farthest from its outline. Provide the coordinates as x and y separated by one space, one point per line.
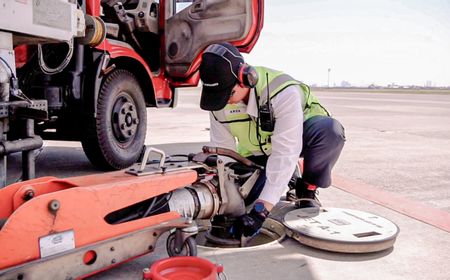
266 118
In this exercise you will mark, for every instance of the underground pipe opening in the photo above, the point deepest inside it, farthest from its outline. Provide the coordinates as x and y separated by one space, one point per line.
218 235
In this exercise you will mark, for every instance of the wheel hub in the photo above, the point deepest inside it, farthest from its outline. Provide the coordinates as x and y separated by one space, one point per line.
125 119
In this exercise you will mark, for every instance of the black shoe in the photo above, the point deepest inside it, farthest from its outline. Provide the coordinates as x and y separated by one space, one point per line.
306 194
291 194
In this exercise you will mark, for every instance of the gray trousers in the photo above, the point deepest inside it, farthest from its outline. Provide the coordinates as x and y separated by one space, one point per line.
323 140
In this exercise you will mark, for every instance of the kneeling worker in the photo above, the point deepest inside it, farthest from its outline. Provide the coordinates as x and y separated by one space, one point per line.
275 119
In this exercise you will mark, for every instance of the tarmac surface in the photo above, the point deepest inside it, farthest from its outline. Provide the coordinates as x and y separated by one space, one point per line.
395 164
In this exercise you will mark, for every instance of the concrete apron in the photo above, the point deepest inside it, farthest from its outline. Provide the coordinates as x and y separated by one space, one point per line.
274 254
418 248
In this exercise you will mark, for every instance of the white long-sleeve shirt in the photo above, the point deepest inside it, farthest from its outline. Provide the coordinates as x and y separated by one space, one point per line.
286 139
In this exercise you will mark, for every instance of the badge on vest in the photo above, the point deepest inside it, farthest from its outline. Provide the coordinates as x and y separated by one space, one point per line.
235 111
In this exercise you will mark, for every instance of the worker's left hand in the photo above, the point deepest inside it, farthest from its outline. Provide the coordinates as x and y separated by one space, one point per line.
247 225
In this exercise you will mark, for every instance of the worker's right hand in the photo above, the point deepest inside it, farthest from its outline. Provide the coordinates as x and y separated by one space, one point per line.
247 225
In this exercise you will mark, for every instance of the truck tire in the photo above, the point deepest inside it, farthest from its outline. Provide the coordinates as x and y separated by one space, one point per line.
114 139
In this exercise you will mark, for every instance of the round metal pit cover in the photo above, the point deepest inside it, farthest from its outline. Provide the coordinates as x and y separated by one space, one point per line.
340 230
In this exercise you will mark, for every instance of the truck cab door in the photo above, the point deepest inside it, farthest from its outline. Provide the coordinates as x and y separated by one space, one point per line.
195 25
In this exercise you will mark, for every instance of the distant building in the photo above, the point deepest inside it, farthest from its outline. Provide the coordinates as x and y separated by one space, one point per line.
374 86
429 84
345 84
393 85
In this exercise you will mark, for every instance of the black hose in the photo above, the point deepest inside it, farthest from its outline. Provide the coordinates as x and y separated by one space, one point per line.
167 198
150 207
232 154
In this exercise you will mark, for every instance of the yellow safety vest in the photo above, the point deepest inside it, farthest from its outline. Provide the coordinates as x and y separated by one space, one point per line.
251 140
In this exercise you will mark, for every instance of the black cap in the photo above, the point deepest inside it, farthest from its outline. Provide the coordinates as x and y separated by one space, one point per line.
219 73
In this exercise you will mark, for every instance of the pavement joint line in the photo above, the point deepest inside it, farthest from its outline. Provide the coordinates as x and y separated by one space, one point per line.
416 210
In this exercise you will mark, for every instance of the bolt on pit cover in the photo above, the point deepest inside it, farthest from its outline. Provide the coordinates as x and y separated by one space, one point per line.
340 230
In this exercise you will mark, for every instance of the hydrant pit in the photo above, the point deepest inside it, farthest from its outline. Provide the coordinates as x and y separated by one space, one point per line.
272 231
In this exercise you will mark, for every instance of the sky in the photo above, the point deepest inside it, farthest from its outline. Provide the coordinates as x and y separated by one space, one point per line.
361 41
